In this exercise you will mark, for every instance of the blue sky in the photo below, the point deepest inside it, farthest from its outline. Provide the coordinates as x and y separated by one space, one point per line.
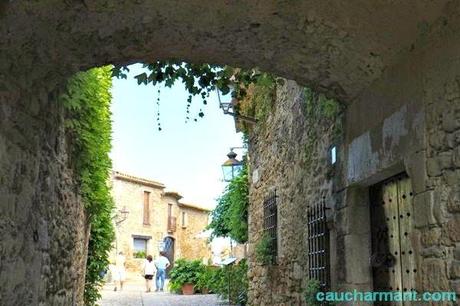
186 157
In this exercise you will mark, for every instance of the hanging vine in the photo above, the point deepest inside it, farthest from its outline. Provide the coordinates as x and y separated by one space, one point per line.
198 80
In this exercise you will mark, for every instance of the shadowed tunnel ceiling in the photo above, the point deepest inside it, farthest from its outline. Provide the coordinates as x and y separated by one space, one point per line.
335 46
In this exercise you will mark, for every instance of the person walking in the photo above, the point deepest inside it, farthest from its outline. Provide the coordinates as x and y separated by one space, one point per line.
161 264
149 271
120 271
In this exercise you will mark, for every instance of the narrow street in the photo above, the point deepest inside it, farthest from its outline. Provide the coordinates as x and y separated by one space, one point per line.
133 294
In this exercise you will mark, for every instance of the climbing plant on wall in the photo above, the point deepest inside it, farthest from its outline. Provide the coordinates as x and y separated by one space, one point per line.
87 99
319 108
230 217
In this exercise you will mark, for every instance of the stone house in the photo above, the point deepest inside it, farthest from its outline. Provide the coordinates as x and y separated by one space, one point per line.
156 221
362 196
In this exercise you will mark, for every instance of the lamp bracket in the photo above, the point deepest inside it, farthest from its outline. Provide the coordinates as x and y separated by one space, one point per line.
228 109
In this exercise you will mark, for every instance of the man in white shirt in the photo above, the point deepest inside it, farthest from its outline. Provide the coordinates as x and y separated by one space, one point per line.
161 263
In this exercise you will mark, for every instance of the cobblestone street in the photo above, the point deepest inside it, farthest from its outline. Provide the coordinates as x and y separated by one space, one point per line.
134 294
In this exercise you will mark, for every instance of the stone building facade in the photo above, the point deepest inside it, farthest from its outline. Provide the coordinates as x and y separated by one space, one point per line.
381 183
156 220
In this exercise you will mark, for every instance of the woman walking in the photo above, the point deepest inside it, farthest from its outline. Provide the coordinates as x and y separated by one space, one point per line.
149 271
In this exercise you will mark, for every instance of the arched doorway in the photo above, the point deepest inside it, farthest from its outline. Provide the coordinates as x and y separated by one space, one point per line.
168 249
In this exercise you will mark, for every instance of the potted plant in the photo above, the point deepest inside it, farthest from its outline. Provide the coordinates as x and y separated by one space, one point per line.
184 275
204 282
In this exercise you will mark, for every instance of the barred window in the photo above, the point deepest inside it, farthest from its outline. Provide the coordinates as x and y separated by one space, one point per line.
271 221
318 245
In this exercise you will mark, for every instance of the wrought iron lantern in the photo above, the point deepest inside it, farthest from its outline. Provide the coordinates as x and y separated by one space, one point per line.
231 167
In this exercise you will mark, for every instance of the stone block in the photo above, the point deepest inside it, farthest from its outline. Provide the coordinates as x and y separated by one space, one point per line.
445 160
357 259
449 122
433 167
437 140
453 229
457 251
456 157
430 237
434 275
297 271
424 206
455 285
416 165
255 176
455 269
451 177
434 252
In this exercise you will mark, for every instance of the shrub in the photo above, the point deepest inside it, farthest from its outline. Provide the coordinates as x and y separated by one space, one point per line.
205 279
313 287
264 250
237 274
140 254
185 272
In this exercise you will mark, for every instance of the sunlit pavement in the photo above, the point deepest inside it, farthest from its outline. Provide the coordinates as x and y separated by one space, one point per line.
133 294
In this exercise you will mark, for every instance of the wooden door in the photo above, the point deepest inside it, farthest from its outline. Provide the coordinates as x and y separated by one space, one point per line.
169 252
393 258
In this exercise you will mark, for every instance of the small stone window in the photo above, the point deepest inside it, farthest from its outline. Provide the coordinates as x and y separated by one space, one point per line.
318 244
146 213
184 219
333 155
140 245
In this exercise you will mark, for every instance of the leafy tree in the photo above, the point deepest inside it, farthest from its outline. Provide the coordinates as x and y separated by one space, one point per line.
87 100
230 217
198 79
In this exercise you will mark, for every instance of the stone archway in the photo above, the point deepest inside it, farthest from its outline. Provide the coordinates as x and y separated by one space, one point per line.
338 47
335 46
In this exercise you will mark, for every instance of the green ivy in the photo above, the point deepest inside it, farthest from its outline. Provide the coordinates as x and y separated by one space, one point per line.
319 108
264 250
87 100
311 290
230 217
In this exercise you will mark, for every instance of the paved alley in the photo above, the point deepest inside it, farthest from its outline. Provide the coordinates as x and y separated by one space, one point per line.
134 295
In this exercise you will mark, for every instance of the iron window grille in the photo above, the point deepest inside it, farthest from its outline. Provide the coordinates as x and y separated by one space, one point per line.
318 245
271 222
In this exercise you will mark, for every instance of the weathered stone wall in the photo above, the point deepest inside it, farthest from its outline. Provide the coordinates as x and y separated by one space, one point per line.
407 121
289 153
192 243
129 194
43 231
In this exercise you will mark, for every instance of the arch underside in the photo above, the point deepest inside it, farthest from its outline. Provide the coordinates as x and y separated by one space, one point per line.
335 46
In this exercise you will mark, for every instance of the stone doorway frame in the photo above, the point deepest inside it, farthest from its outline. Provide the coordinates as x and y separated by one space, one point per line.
350 241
